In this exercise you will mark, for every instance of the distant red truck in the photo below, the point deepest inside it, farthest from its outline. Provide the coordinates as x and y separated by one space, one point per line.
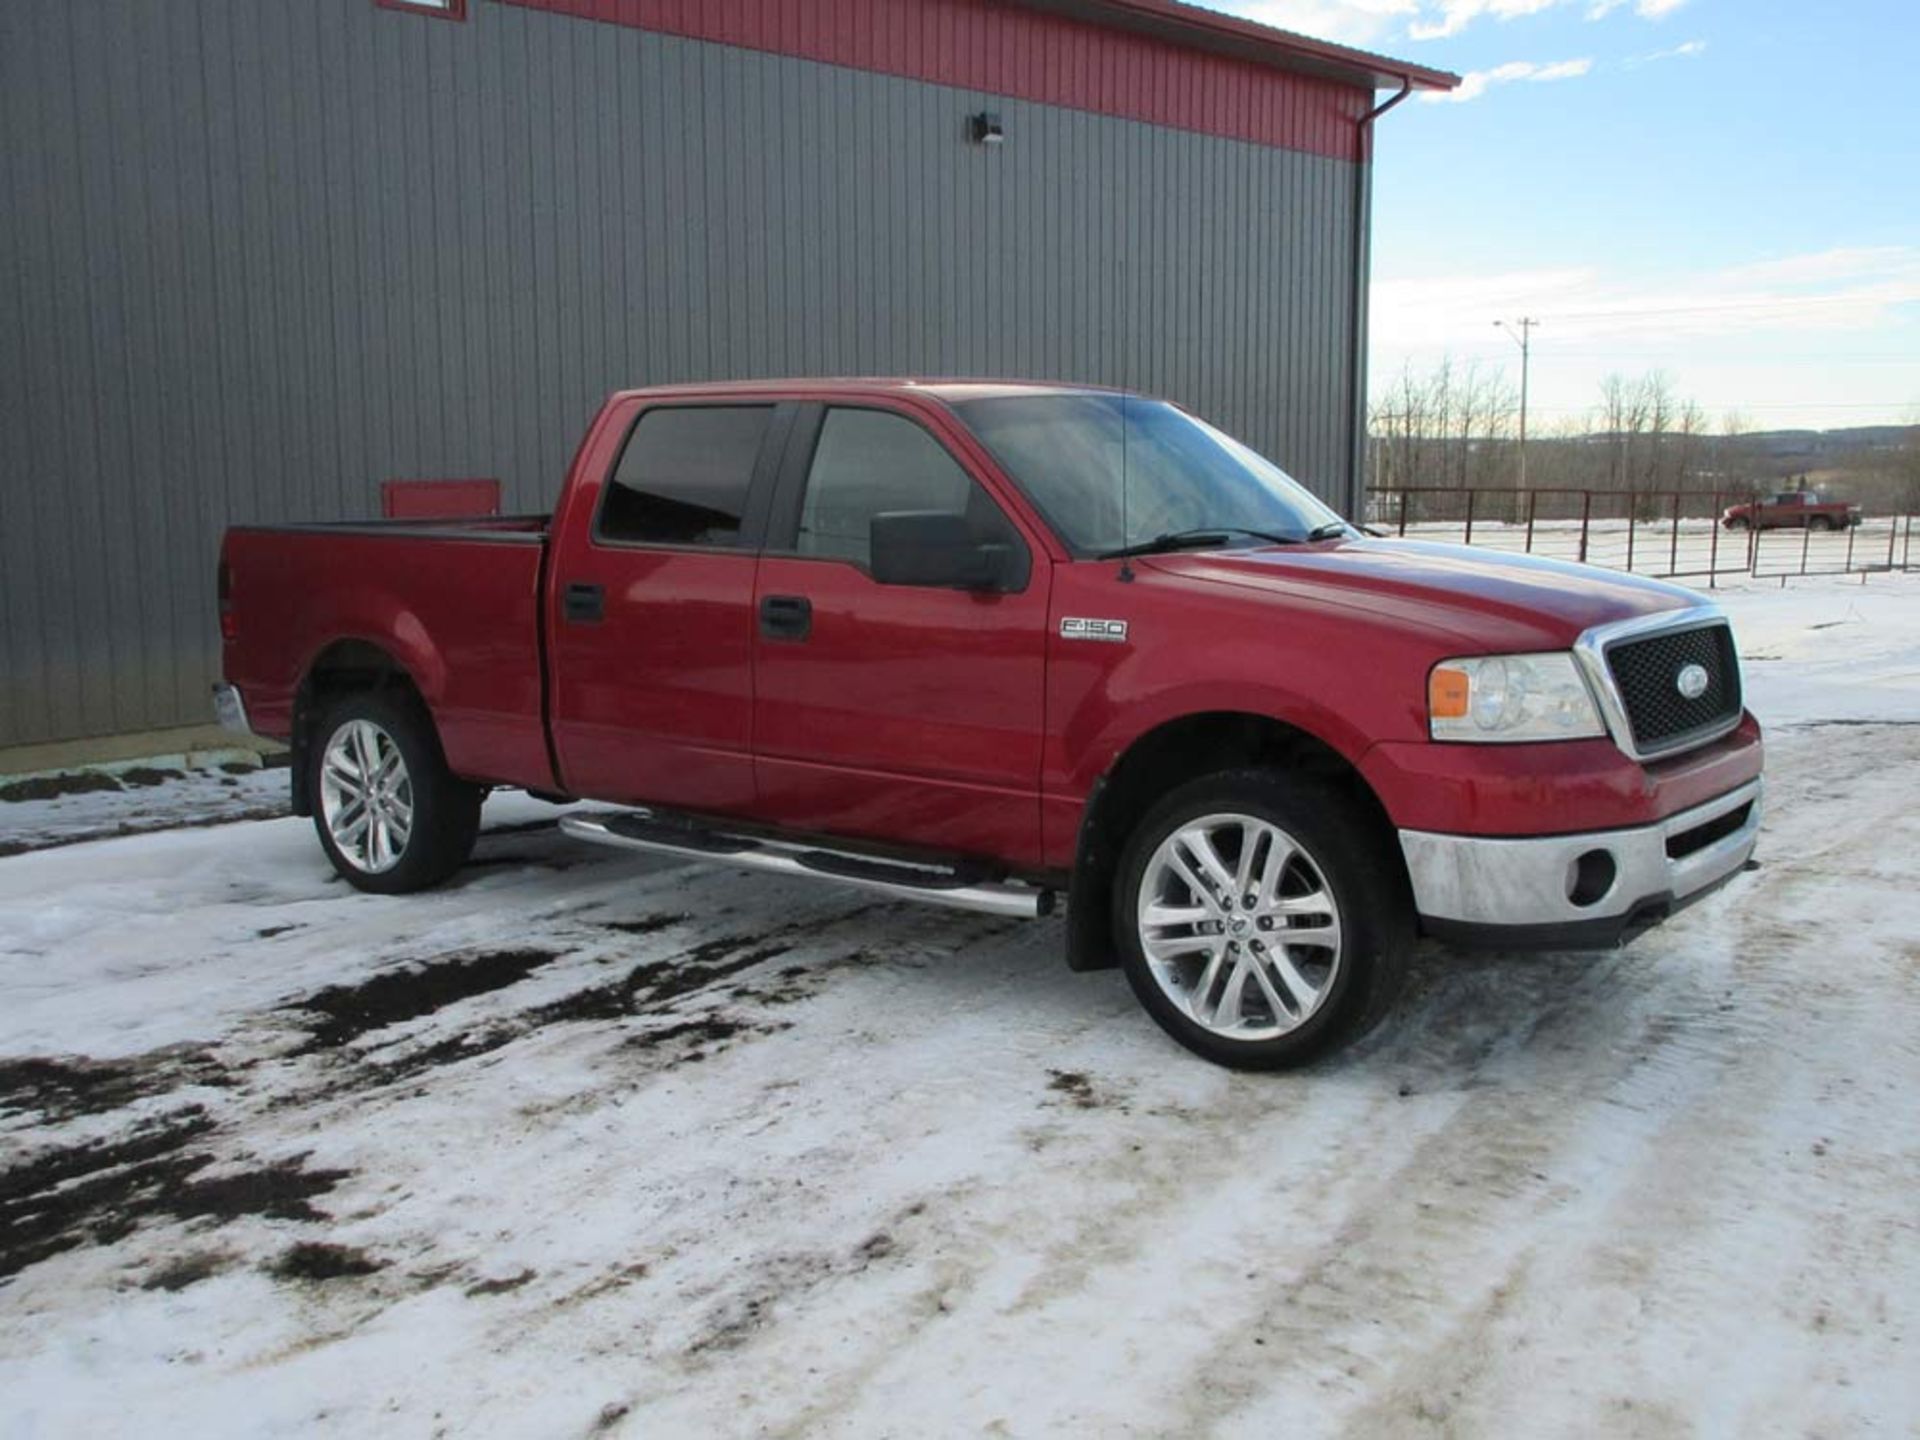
1791 510
984 644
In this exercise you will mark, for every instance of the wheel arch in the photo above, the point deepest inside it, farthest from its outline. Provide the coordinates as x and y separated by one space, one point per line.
1170 754
344 666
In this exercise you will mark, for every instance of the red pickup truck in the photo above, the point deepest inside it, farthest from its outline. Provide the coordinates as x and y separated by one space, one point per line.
1791 510
983 644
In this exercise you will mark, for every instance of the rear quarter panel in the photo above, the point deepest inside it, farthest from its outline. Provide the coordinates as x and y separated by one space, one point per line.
461 614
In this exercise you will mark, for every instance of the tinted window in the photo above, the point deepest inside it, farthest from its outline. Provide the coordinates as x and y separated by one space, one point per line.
684 476
868 462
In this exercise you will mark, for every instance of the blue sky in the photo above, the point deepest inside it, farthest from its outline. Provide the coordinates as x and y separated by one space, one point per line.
1728 190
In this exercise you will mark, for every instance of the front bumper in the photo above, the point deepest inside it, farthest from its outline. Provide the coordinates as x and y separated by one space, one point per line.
1586 891
230 709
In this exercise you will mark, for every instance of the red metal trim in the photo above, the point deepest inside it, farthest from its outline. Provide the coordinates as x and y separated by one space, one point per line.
1195 24
451 10
439 499
1152 60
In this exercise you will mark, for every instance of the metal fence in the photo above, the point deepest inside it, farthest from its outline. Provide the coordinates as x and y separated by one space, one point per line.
1665 534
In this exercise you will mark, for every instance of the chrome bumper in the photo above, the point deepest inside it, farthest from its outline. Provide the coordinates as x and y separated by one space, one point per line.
1550 883
230 709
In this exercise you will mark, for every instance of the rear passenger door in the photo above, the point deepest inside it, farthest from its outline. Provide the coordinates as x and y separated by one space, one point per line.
651 621
900 713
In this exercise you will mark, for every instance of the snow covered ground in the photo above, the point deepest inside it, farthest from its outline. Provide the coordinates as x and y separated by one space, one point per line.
135 799
580 1144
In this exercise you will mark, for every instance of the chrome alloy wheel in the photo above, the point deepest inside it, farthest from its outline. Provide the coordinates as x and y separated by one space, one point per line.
1239 927
366 796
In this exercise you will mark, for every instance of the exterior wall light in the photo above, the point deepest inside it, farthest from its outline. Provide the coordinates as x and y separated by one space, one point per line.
985 128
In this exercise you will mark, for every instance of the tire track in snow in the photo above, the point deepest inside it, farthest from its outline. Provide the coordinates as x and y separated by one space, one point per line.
1577 1082
1662 1204
1428 1264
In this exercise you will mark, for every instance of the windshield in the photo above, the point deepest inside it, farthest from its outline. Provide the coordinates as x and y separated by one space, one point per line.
1109 471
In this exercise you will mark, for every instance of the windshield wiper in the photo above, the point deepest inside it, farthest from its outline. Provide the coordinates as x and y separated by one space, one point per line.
1332 530
1194 540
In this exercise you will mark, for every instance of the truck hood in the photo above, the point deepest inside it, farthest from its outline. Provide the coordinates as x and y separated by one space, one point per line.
1483 600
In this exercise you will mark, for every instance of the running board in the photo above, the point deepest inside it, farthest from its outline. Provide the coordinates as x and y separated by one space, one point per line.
927 884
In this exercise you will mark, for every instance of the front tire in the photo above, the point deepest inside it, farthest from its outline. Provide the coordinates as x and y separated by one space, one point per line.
390 815
1259 922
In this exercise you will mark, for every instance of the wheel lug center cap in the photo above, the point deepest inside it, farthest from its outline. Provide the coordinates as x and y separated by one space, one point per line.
1238 925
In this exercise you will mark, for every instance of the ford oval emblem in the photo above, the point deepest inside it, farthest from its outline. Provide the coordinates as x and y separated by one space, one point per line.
1692 681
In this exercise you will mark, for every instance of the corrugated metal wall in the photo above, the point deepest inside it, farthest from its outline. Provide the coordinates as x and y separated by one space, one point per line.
257 256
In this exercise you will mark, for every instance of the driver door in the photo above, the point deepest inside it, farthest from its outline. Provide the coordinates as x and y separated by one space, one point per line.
897 713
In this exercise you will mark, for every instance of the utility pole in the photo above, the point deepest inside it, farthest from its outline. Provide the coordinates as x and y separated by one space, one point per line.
1521 333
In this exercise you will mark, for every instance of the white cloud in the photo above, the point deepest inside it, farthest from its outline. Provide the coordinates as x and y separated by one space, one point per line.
1476 83
1645 9
1819 338
1367 22
1455 15
1842 289
1348 22
1677 52
1872 262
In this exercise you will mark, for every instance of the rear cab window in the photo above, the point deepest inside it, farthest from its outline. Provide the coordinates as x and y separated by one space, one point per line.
685 476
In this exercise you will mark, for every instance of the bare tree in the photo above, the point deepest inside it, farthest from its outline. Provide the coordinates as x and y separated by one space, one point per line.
1401 431
1442 429
1451 429
1623 419
1906 467
1656 405
1440 401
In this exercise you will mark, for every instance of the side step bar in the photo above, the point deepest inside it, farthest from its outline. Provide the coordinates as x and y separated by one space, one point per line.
924 883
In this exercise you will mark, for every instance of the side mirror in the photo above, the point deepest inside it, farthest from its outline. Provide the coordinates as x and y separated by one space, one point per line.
936 549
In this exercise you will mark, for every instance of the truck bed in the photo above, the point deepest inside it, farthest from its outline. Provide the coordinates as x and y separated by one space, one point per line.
459 600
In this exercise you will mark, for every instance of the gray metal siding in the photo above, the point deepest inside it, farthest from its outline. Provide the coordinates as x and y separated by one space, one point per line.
257 256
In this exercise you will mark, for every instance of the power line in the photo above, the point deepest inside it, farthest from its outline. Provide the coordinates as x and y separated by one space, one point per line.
1749 405
1576 353
1773 304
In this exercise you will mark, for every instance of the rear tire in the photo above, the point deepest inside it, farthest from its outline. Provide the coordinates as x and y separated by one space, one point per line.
390 815
1821 522
1213 880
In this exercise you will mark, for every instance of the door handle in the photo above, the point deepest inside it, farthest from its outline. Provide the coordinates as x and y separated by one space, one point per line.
786 617
584 604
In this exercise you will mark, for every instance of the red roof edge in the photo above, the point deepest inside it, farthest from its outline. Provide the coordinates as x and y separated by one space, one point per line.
1196 26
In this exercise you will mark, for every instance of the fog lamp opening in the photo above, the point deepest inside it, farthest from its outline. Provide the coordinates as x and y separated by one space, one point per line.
1590 877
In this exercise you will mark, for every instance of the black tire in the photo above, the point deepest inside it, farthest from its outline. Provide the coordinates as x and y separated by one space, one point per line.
445 808
1736 522
1348 847
1821 522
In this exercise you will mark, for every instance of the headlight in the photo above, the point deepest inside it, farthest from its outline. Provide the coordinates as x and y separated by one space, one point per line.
1501 698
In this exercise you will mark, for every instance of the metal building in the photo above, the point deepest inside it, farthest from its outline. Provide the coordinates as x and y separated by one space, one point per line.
259 256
